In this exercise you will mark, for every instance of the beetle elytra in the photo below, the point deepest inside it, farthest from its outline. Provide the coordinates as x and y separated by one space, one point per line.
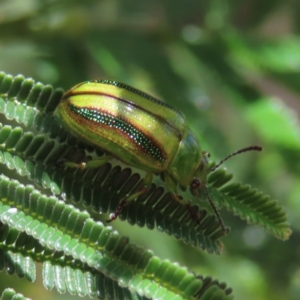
140 131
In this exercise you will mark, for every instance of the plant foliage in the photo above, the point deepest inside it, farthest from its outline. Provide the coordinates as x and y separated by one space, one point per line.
50 213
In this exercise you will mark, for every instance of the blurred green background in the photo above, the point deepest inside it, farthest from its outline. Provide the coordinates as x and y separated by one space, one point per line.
232 67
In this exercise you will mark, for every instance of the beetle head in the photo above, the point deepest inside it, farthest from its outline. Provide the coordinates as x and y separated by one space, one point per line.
200 177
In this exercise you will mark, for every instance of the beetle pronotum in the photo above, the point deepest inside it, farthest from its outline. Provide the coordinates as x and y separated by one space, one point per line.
139 130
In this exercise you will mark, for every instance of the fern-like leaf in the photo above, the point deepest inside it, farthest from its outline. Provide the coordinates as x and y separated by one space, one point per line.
75 247
249 204
10 294
71 238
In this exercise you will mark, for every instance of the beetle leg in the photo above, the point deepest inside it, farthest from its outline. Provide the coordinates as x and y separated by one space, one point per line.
171 185
94 163
123 202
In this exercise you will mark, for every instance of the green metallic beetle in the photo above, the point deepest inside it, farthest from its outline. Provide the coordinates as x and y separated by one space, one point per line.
138 130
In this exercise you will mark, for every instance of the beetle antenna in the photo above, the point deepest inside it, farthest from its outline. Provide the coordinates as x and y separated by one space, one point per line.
251 148
216 212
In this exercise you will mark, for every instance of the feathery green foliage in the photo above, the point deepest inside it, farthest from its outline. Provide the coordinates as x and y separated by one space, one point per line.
80 254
